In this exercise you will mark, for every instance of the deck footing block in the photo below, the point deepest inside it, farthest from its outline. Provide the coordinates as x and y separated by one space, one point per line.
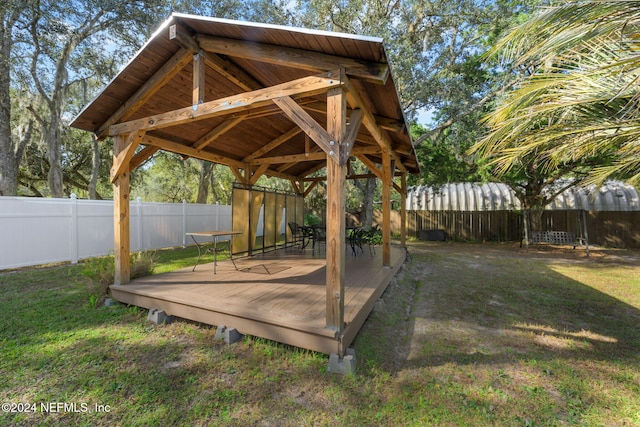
159 316
379 306
219 333
345 365
229 335
232 335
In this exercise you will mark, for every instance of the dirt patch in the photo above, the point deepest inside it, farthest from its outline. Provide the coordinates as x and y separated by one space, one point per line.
537 251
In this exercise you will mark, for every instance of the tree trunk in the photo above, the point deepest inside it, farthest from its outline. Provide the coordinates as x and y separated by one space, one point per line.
206 170
55 178
366 215
95 169
535 220
8 161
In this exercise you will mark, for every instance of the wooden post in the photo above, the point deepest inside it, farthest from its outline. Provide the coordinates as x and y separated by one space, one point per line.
584 228
525 224
198 79
336 177
403 210
386 207
121 229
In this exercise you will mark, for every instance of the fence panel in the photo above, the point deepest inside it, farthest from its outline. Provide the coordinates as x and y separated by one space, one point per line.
94 229
617 229
607 228
162 225
40 231
34 231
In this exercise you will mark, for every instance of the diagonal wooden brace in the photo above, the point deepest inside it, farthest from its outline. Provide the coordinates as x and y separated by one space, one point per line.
122 160
355 120
308 125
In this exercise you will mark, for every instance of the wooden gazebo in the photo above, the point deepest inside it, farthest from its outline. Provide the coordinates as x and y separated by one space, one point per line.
262 100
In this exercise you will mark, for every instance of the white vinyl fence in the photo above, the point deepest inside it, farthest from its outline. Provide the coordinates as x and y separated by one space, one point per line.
39 231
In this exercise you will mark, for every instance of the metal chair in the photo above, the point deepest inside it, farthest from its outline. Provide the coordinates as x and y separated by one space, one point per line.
364 236
300 233
318 235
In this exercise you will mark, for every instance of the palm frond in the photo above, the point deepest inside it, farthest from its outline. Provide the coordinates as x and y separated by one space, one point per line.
582 99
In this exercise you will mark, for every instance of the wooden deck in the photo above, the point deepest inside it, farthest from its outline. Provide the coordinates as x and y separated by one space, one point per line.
279 295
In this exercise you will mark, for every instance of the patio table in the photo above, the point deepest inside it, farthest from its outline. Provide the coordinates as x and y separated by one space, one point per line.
214 236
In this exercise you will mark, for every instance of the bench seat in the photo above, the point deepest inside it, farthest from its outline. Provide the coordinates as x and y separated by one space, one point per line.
555 238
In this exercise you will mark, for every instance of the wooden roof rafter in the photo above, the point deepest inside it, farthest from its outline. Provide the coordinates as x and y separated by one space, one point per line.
310 156
220 107
238 168
168 70
217 132
312 170
357 100
245 59
185 150
188 40
273 144
306 86
307 153
295 58
385 123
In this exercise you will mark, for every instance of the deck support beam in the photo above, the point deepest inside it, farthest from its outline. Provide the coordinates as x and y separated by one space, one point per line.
121 230
336 176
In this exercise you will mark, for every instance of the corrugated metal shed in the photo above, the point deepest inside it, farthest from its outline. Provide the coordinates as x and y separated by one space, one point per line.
493 196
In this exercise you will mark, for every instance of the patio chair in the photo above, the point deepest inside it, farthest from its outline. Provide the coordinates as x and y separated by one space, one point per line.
318 236
300 234
374 237
364 236
356 239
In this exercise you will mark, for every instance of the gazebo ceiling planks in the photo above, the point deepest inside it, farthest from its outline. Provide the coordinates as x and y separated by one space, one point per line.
251 96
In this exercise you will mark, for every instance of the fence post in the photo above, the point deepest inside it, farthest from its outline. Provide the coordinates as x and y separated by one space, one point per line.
184 223
217 215
139 208
74 228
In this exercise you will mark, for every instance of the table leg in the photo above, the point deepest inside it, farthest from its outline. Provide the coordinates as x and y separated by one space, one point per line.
199 252
231 238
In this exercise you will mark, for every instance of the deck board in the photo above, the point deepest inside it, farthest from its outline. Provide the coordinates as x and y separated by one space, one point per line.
288 306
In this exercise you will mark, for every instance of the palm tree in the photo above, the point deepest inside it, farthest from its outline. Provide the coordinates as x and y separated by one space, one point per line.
578 102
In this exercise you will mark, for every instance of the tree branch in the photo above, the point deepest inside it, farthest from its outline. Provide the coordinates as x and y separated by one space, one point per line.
432 134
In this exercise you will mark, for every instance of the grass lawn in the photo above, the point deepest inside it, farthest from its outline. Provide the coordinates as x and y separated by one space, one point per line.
468 335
